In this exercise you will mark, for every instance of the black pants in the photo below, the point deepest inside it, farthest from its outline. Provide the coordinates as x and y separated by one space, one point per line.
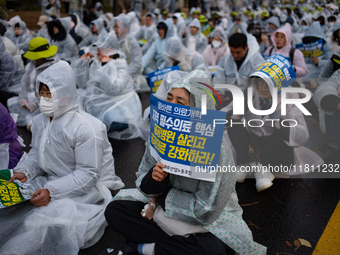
4 96
273 150
124 217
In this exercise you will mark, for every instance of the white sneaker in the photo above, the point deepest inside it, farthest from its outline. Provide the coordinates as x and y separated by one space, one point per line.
241 176
263 180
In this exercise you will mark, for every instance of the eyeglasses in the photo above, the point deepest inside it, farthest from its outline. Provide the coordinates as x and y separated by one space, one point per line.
47 96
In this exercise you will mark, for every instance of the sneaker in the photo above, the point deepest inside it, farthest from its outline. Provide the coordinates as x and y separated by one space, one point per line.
263 180
241 176
123 249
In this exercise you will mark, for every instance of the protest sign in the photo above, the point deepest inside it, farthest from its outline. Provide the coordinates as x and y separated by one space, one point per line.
184 140
311 50
10 192
212 70
269 56
278 71
207 29
156 78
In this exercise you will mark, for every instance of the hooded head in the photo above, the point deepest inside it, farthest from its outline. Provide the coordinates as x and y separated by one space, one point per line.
21 26
167 25
314 31
99 23
286 30
179 18
195 23
192 83
175 50
60 80
275 21
151 17
108 45
59 28
14 20
122 26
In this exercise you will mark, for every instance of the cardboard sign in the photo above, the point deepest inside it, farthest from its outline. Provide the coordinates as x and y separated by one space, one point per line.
310 50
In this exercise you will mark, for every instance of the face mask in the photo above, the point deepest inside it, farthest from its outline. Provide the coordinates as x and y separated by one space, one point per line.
216 44
46 107
304 28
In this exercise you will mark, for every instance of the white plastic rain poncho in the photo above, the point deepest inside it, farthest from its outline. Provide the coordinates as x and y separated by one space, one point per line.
331 66
180 26
50 10
77 6
72 154
275 21
98 9
213 205
227 72
27 92
13 50
130 47
134 24
110 94
153 59
313 70
80 28
148 33
151 5
189 60
10 29
10 71
330 39
161 93
237 28
22 40
43 32
92 38
67 47
197 42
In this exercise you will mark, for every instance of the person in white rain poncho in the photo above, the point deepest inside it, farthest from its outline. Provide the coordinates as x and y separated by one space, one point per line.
188 60
179 24
110 95
59 32
153 58
50 8
194 39
72 169
97 32
98 9
316 64
148 32
11 74
22 38
134 24
43 31
42 55
79 31
130 47
192 216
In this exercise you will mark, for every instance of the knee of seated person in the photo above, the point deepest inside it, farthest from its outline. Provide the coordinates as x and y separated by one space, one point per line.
112 209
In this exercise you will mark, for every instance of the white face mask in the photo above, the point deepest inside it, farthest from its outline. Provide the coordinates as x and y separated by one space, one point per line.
216 44
46 107
304 28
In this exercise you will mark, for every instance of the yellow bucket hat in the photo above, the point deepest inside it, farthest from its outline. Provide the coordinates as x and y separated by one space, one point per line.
39 48
202 19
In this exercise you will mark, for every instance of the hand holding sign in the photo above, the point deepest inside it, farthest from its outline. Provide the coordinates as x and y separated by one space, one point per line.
158 174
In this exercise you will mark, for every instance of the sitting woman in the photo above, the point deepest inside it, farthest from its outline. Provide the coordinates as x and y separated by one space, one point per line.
192 216
271 144
72 158
10 149
281 39
215 51
110 96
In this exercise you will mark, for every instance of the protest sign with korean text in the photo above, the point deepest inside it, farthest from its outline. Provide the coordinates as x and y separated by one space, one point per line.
278 71
310 50
184 139
156 78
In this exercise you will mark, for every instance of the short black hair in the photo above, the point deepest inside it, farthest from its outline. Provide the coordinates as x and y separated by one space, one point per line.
321 19
149 15
331 18
17 25
238 40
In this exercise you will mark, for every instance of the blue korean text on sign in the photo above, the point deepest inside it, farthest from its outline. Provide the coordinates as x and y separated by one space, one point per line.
183 139
156 78
311 50
278 71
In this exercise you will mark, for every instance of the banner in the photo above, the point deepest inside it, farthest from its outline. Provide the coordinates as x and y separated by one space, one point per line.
185 140
10 192
311 50
278 71
269 56
156 78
